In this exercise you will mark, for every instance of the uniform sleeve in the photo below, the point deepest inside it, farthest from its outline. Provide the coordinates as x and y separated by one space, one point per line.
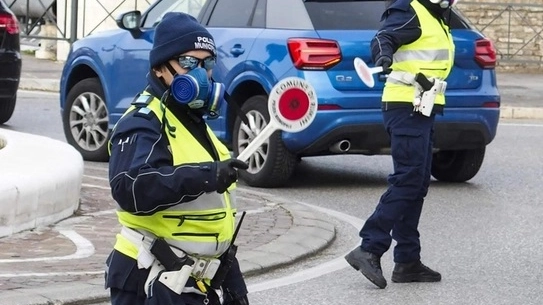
401 26
142 177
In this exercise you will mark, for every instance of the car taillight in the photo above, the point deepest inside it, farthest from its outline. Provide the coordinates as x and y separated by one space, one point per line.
313 54
485 53
10 23
491 105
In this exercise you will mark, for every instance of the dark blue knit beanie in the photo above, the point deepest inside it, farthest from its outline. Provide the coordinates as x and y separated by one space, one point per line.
178 33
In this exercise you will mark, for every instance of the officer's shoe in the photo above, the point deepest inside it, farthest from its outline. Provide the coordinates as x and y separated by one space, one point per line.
369 264
414 272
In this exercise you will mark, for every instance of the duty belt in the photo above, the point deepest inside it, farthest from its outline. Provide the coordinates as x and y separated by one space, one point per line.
204 268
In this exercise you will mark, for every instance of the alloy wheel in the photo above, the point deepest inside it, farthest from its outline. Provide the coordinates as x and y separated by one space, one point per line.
246 134
89 121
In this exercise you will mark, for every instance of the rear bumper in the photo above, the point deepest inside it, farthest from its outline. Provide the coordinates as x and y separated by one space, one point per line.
458 128
10 74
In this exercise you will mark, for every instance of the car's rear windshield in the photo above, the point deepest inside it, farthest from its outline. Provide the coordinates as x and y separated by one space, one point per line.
359 15
345 15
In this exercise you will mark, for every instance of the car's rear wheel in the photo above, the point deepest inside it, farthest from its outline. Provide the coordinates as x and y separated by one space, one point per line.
457 165
7 106
85 120
272 164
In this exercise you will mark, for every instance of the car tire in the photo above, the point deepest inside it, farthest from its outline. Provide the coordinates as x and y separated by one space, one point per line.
85 120
272 165
7 106
457 165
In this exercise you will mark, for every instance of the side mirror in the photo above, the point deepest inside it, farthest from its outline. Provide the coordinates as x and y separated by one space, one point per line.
130 21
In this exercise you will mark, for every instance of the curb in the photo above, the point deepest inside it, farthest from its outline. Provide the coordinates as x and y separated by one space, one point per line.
508 112
51 194
34 84
309 234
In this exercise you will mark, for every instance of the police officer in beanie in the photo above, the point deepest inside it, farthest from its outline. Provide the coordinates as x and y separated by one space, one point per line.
416 48
174 182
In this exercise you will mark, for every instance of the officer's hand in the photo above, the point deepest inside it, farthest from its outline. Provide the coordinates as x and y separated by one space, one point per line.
385 62
227 173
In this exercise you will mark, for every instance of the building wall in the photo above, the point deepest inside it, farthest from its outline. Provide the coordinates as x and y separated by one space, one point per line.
514 26
93 16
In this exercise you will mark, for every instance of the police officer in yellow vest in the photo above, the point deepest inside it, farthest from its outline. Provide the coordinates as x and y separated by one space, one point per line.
174 182
415 47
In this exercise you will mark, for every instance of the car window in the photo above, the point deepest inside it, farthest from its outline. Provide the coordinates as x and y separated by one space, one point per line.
232 13
259 15
455 20
155 14
345 15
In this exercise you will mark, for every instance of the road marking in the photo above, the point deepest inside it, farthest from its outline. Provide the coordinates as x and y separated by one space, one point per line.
107 188
96 178
84 249
336 264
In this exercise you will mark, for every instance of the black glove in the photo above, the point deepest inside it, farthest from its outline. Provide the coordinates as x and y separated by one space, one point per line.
385 62
227 173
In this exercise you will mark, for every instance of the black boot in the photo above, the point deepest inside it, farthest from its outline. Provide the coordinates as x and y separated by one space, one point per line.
369 264
414 272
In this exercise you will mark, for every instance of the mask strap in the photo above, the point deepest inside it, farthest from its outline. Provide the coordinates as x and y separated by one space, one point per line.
170 68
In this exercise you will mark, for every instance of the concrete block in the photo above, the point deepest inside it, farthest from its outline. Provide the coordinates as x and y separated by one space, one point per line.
26 205
38 193
8 196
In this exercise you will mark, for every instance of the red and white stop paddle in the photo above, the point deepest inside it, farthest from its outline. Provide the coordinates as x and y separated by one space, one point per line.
292 106
366 73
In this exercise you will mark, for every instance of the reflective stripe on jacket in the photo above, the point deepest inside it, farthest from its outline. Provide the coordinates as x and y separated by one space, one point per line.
432 54
201 227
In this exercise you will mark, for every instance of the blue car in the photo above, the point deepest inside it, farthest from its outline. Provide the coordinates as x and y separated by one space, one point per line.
260 42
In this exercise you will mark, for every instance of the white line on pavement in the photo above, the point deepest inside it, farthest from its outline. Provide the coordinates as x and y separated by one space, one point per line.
307 274
96 178
107 188
84 249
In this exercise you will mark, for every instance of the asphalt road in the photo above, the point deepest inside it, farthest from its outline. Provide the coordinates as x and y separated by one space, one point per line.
484 236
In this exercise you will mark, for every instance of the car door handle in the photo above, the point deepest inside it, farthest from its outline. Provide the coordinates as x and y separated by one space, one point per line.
237 50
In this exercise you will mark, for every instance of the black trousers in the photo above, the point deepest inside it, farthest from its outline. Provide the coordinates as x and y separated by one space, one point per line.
398 212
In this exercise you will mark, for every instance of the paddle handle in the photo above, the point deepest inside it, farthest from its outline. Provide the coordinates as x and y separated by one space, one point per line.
376 70
258 140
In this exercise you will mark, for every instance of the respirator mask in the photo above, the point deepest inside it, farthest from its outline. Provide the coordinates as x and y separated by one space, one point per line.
195 89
